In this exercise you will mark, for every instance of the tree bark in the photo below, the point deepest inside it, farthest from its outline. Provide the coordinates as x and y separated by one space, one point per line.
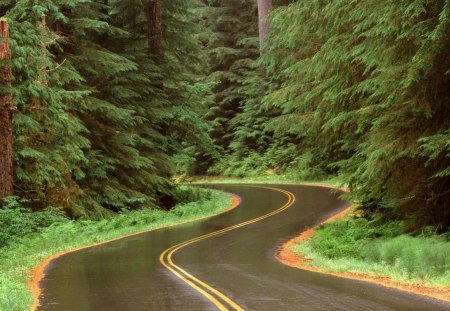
155 35
264 7
44 78
6 107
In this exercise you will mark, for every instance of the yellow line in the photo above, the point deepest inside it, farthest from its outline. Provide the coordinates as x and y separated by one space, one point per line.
38 271
167 261
206 294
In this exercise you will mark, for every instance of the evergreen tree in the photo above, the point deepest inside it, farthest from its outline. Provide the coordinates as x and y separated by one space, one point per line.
232 45
363 87
98 117
48 141
250 147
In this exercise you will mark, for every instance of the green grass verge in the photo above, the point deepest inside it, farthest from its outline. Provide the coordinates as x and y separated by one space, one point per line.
17 259
356 245
263 179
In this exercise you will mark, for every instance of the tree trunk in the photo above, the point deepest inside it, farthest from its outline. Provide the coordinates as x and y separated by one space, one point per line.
264 7
44 78
155 36
6 106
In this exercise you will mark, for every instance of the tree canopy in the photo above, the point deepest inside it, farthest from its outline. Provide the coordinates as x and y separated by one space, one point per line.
114 98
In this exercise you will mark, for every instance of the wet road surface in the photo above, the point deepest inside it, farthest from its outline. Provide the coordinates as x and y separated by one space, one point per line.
240 264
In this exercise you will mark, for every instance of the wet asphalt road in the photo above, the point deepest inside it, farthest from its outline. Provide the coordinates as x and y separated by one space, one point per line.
127 274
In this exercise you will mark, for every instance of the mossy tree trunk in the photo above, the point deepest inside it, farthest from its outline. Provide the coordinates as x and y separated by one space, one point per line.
6 133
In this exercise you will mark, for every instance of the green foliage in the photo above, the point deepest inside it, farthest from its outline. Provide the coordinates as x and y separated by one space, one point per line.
358 245
48 138
303 168
98 118
185 194
231 41
233 165
360 87
17 221
418 257
349 237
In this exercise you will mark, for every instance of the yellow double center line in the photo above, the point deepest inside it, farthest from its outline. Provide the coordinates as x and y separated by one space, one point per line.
221 301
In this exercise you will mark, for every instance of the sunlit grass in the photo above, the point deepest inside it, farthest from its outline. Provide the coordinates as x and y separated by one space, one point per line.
16 260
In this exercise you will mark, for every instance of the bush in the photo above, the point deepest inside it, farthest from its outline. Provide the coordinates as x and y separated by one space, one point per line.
302 168
348 237
185 194
343 238
17 221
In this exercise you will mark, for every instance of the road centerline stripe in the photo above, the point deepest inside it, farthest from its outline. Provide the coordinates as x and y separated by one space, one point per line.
221 301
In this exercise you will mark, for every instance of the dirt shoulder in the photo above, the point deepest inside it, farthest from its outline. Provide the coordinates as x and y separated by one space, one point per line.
287 256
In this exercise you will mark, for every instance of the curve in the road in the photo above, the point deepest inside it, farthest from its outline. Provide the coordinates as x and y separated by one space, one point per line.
216 297
127 274
38 273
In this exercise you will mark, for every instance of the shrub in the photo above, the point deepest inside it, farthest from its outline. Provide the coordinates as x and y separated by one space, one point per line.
185 194
343 238
17 221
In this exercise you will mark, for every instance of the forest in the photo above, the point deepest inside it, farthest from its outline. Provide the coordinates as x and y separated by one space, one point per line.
104 105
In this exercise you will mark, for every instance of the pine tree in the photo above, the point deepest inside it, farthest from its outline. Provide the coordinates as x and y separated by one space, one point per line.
47 138
249 147
232 44
361 84
98 117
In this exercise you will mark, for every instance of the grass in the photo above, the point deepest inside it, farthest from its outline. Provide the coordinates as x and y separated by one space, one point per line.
262 179
355 245
18 258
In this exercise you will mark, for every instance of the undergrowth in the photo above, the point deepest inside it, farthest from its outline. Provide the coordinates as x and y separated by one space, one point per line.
357 245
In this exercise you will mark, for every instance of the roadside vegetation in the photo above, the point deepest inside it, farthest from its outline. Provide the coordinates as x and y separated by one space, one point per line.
302 175
360 246
28 238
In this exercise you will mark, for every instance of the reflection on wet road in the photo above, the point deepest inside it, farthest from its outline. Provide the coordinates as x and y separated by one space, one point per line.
238 263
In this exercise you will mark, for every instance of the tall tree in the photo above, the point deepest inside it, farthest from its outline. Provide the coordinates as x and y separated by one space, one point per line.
232 45
103 101
155 33
264 7
364 87
6 105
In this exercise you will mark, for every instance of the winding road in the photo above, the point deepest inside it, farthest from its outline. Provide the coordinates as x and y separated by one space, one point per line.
222 263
